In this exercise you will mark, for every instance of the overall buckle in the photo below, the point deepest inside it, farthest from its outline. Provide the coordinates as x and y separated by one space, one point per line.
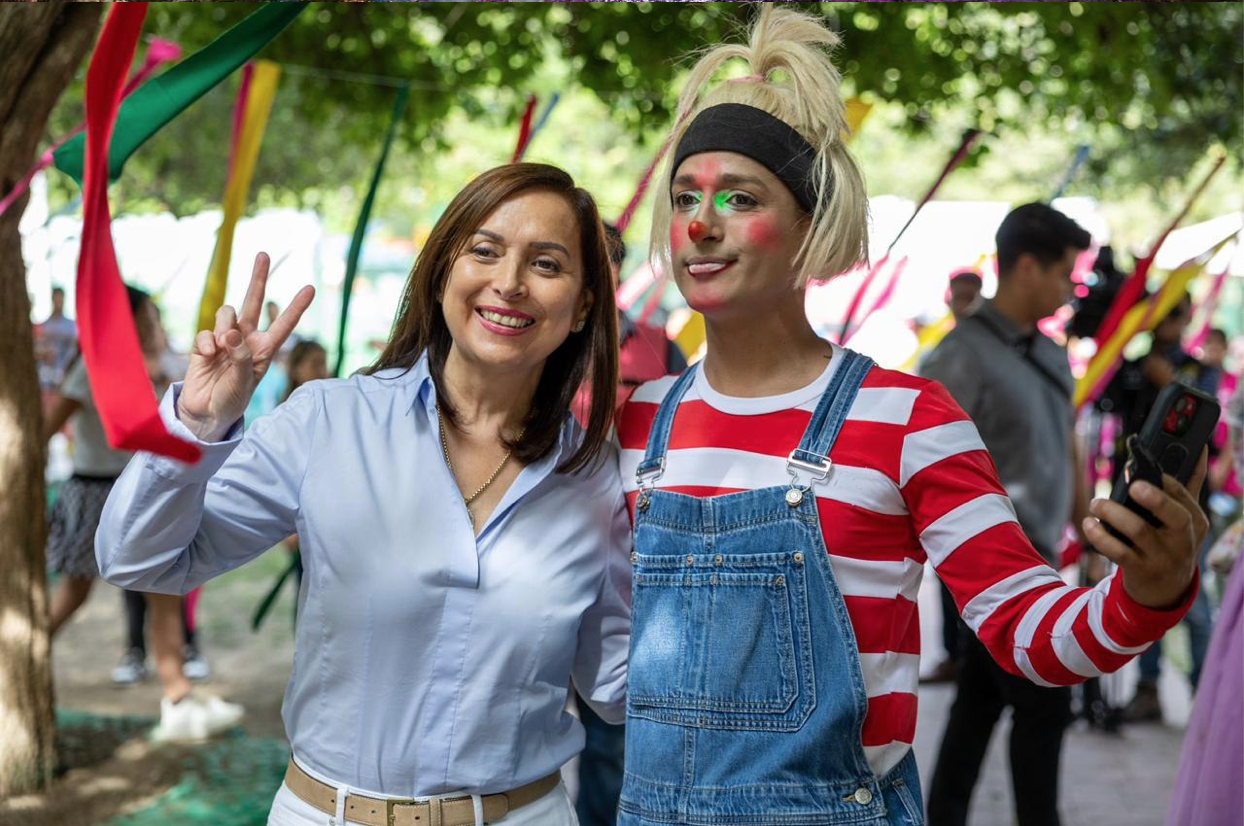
646 479
819 472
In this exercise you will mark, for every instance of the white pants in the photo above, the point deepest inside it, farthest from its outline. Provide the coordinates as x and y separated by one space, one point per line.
554 809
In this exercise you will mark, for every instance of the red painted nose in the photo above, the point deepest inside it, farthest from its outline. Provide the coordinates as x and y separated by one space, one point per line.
697 230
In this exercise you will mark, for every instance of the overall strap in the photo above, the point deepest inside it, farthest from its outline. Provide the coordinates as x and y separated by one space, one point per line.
812 455
653 465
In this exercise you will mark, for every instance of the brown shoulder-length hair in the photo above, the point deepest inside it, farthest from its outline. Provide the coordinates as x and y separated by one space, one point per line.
590 355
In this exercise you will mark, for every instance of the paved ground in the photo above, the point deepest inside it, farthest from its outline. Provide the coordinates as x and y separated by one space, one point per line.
1107 780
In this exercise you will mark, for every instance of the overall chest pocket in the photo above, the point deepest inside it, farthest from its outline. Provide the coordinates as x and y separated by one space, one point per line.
721 641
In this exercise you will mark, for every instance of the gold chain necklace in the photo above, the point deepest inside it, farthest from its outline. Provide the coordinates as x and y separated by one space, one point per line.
467 500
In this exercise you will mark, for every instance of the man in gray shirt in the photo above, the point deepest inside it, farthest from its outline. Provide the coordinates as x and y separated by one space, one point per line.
1016 384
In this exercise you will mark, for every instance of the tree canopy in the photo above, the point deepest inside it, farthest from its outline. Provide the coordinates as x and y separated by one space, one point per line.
1150 86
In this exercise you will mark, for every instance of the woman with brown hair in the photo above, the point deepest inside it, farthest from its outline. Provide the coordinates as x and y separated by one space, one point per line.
465 541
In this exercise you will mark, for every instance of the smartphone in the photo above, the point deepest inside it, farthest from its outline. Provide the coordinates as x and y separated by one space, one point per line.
1171 440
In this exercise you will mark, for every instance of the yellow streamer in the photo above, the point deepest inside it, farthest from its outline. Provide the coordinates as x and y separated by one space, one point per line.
1140 319
928 338
857 111
691 337
258 105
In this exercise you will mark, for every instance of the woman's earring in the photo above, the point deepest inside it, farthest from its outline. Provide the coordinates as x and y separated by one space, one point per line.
579 325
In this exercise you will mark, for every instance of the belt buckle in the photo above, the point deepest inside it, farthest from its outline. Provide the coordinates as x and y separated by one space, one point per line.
390 816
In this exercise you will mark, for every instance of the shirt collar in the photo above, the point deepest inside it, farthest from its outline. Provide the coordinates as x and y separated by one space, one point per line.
1006 329
419 387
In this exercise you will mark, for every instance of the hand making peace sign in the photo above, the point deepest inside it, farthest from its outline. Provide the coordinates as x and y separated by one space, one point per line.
227 363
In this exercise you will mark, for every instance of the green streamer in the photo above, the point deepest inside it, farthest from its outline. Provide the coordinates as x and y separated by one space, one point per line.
163 98
360 228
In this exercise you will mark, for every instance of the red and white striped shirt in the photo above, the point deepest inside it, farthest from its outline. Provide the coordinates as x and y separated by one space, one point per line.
911 481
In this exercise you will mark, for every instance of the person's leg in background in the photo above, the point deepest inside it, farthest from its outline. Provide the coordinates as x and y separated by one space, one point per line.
167 634
1039 720
133 665
600 769
194 664
183 716
1144 706
71 592
978 704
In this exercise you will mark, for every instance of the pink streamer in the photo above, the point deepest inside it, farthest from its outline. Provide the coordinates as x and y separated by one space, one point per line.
158 52
884 298
1210 305
239 113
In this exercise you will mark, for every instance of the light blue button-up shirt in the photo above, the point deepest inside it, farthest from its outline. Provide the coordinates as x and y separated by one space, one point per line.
426 660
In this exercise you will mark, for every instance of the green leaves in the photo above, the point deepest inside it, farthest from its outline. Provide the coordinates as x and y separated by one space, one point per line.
1152 86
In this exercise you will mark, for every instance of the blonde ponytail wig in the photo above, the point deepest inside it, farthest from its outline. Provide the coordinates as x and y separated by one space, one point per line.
793 79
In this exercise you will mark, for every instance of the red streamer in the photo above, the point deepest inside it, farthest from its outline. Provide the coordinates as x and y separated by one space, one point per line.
624 220
965 145
122 389
1134 287
524 129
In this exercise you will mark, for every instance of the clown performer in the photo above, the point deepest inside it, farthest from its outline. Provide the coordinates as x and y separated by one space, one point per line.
786 494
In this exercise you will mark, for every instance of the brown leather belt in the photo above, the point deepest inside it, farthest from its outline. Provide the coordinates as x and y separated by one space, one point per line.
450 811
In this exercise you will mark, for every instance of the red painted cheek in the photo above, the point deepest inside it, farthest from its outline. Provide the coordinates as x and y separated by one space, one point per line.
678 235
762 233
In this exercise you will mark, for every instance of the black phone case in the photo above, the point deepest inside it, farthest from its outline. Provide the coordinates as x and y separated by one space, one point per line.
1176 430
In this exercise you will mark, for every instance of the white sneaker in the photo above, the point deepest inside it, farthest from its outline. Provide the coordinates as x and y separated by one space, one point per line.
196 717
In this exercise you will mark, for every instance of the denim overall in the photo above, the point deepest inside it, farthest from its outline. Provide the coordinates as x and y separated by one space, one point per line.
745 698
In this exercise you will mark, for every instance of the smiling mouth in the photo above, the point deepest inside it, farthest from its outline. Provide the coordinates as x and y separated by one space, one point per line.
707 267
513 322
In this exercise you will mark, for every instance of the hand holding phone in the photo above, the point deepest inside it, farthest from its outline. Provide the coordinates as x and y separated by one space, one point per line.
1152 525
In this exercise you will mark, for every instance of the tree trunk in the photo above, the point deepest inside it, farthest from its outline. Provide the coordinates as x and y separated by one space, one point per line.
43 45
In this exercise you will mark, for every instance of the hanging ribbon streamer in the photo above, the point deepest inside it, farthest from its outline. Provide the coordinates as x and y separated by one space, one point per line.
159 52
1134 287
239 116
1207 309
1082 153
883 298
360 226
624 220
120 385
539 124
927 339
965 145
524 129
258 103
159 101
654 299
1140 318
857 112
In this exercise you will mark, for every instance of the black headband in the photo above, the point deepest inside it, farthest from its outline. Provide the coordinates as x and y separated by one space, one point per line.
736 127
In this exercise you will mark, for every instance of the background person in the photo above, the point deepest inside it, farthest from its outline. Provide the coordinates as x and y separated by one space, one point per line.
1017 386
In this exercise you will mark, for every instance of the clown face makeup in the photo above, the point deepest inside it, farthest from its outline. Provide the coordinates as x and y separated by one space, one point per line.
734 230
